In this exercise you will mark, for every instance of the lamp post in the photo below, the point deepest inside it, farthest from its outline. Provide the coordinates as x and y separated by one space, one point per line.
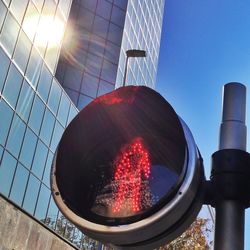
132 53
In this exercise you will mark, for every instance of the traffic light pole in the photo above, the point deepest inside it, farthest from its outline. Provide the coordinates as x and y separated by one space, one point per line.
230 212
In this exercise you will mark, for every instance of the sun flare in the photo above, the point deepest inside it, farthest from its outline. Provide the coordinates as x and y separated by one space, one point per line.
48 30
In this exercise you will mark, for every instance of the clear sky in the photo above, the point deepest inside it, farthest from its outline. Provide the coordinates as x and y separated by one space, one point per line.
205 44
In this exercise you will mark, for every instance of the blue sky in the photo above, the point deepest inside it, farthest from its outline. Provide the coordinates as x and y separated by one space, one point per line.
205 44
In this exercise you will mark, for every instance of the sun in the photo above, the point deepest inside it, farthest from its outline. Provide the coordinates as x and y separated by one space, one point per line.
47 29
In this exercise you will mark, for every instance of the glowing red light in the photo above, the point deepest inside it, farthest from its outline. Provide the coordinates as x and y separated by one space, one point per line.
132 166
118 97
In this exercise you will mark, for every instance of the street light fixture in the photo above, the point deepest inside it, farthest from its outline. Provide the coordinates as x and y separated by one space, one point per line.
132 53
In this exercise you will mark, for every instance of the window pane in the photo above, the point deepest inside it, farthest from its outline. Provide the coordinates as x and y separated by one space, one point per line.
1 152
118 16
73 95
100 26
47 127
42 203
54 98
19 184
36 116
22 51
18 7
72 113
39 4
7 170
6 114
51 57
104 88
12 85
39 159
89 4
44 83
16 136
121 3
94 64
3 11
72 78
97 45
28 148
25 101
89 85
104 9
9 33
85 18
109 71
115 34
52 215
112 52
63 109
30 21
83 101
34 67
64 6
58 131
5 62
31 194
47 171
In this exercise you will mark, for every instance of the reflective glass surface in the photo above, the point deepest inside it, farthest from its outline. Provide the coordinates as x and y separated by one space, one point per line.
7 171
34 67
18 7
3 11
5 62
36 115
6 114
39 159
44 83
28 148
54 98
9 33
42 203
96 34
142 30
15 136
47 127
22 51
63 109
12 86
33 110
25 101
18 187
31 194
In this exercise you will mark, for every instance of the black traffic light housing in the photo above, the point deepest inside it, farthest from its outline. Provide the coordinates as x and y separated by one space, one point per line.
127 170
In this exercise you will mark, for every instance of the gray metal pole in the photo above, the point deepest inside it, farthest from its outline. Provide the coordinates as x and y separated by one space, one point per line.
230 214
125 72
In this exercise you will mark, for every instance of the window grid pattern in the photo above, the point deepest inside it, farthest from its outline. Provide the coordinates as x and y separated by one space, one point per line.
88 67
19 23
34 111
142 30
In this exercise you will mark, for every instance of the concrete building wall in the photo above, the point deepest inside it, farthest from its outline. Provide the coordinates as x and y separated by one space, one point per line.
19 232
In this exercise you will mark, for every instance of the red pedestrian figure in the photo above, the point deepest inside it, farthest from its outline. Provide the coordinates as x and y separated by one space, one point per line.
132 167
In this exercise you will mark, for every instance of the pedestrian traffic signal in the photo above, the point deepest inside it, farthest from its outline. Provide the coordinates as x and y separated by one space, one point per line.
127 170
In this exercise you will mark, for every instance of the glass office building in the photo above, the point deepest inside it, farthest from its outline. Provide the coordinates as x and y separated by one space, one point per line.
142 30
34 108
38 98
99 33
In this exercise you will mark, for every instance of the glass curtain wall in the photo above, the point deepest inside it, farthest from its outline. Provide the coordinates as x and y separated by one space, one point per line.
34 108
89 59
142 30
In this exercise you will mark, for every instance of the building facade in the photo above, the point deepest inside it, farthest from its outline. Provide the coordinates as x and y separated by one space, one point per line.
38 99
98 34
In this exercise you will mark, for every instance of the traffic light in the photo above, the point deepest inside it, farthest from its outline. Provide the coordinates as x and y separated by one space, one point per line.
127 170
